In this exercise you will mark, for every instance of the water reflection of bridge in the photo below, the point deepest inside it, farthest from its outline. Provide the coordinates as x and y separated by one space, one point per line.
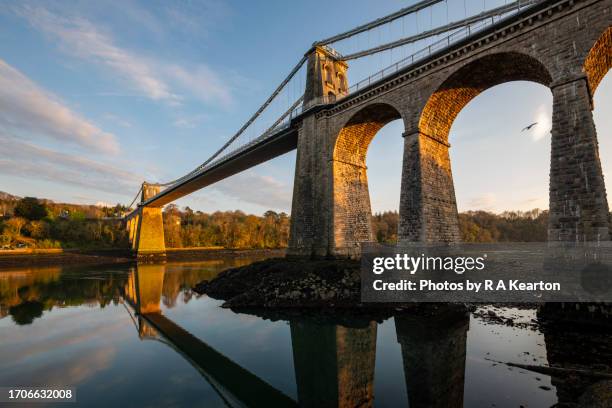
334 364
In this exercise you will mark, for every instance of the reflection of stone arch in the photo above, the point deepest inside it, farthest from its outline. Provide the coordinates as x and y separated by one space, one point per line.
351 198
472 79
599 60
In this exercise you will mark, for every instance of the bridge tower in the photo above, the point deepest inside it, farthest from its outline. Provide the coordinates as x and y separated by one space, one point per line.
326 82
149 227
326 79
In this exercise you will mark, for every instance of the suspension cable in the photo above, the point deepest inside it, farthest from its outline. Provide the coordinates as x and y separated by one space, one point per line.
363 28
285 114
380 21
440 30
135 198
245 126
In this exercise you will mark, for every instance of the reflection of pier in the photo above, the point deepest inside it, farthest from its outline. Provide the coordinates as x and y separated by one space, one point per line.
236 385
334 364
433 351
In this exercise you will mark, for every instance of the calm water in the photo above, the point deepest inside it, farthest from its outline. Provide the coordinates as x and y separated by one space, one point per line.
81 327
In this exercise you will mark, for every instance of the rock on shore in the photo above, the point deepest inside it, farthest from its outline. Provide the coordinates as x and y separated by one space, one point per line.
287 283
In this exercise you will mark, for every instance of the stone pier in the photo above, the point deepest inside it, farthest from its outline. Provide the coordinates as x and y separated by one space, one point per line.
146 227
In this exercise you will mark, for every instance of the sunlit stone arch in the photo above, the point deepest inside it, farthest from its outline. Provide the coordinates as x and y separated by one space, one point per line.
351 197
428 203
599 60
469 81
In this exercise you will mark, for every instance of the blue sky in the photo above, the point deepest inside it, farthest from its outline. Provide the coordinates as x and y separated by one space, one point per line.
96 97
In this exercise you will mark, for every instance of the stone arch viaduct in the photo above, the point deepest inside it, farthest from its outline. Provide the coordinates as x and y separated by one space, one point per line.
565 45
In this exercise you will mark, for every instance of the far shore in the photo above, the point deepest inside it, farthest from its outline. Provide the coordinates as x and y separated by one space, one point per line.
27 257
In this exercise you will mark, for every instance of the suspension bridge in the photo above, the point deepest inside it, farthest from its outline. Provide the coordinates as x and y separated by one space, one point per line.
433 57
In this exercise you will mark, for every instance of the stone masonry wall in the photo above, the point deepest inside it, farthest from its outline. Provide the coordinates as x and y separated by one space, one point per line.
149 231
551 46
578 204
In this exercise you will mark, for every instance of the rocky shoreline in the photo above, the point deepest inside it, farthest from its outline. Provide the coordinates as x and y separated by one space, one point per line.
324 290
279 282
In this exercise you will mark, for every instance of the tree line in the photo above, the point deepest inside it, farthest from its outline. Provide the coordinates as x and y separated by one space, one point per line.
228 229
478 226
35 223
32 222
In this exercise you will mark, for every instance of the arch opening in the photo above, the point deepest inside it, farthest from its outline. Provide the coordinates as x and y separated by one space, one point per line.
597 66
602 100
328 74
472 79
434 209
342 87
352 212
503 194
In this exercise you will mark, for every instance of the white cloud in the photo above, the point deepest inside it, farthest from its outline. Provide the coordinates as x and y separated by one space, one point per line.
117 120
256 189
533 202
484 201
158 80
80 38
28 111
189 122
34 162
203 83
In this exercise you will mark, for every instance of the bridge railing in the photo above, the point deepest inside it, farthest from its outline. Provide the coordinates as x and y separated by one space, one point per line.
455 37
246 146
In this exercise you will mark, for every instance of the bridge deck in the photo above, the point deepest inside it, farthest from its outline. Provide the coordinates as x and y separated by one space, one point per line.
278 144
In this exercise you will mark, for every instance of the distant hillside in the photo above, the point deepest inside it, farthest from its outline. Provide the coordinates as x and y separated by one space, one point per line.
8 197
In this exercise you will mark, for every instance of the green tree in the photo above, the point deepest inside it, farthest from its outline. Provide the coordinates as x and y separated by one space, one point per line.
30 208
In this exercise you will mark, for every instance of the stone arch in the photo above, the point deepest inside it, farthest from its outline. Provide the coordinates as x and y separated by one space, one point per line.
599 60
428 207
469 81
351 198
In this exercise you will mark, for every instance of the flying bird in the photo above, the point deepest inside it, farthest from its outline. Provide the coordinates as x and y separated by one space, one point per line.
528 127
